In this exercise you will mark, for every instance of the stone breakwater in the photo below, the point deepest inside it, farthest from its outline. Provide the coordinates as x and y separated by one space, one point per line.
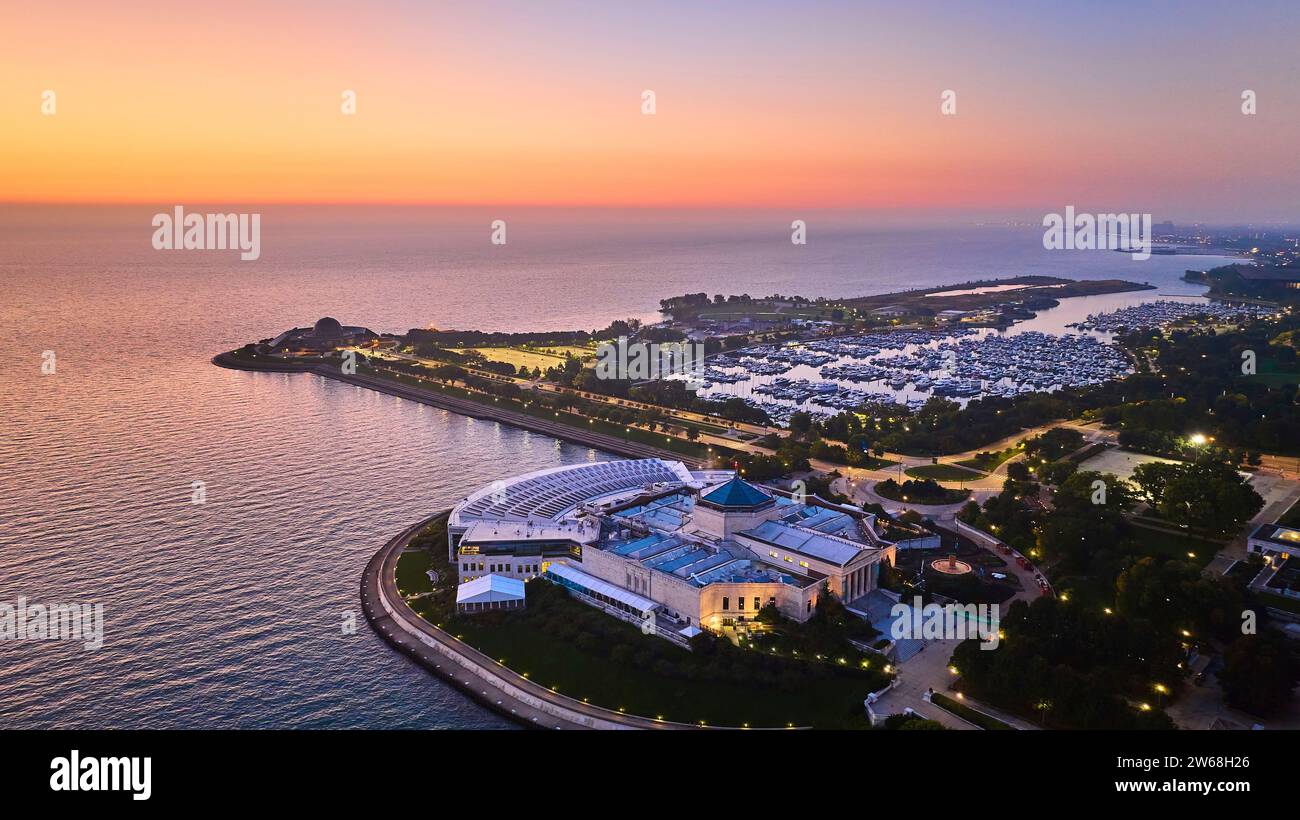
467 407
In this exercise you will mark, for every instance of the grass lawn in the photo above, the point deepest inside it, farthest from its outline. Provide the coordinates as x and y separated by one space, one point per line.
873 463
560 642
702 426
411 569
963 711
1270 374
988 462
761 311
577 420
518 357
1167 545
948 497
568 350
942 472
650 677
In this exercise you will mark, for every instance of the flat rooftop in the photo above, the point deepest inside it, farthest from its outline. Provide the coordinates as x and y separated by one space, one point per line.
647 546
667 513
1278 535
821 519
544 530
749 571
701 563
805 542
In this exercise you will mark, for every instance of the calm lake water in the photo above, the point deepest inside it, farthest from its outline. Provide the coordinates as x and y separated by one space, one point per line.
228 614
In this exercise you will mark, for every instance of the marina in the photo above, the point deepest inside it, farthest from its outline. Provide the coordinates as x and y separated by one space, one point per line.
1151 315
1062 347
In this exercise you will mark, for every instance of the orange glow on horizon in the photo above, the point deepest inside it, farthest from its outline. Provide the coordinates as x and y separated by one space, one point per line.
542 107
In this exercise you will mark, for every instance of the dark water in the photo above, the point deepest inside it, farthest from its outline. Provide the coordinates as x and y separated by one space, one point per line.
228 614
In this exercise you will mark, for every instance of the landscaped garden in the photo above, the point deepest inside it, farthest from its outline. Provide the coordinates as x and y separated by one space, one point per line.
976 586
542 411
924 492
942 472
988 461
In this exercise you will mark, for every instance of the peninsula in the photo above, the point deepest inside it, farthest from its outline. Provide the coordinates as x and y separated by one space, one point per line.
743 539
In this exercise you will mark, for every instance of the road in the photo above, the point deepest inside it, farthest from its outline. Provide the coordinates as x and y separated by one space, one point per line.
557 429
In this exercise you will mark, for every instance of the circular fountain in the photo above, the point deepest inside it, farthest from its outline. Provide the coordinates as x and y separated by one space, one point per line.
950 566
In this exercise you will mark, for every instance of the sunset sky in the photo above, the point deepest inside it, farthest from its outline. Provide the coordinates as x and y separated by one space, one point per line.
759 104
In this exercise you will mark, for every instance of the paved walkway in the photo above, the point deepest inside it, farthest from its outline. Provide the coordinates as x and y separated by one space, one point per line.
928 668
918 674
387 628
474 409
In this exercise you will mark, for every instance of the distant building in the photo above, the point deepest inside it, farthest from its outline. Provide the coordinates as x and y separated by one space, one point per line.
1287 277
326 335
953 315
891 311
654 543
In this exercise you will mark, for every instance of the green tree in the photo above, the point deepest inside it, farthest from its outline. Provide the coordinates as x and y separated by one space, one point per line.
801 422
1153 477
1210 495
912 723
1259 673
1174 596
769 614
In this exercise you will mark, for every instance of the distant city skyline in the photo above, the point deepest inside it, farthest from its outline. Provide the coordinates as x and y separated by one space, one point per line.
757 105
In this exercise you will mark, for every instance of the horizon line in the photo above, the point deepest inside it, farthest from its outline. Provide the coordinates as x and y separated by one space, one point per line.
933 211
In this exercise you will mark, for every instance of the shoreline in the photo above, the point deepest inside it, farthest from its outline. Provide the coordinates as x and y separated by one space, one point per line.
1015 296
630 449
483 680
465 407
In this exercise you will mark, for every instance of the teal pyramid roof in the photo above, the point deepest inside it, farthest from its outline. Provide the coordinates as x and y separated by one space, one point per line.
736 493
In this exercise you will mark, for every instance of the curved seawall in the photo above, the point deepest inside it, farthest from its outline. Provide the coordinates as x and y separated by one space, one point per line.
478 676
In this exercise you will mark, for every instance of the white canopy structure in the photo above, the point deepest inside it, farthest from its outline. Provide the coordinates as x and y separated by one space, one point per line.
603 591
490 592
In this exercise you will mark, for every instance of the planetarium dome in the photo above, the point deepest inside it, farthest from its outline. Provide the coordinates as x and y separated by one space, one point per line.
327 328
